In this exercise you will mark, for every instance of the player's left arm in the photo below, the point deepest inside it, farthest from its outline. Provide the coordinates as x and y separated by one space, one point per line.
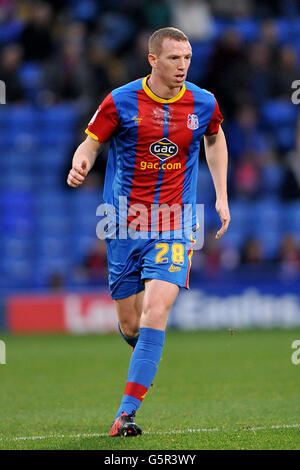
217 160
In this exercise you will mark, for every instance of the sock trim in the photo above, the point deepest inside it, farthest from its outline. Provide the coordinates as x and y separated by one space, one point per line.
136 390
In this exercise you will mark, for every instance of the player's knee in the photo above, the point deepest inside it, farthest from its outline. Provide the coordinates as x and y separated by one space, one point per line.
157 307
129 329
155 316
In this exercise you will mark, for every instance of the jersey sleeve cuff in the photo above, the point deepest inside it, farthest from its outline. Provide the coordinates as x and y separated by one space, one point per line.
91 135
215 130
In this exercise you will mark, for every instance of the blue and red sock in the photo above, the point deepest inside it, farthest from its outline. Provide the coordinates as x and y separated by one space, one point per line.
142 368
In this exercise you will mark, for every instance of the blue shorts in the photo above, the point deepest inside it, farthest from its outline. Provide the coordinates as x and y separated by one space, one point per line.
130 262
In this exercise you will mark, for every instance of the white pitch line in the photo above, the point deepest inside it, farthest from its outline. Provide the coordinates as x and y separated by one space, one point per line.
161 433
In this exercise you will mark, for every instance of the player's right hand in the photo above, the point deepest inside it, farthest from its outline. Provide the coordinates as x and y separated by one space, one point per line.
77 174
224 214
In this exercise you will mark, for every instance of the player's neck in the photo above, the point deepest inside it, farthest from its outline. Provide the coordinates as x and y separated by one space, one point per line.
160 89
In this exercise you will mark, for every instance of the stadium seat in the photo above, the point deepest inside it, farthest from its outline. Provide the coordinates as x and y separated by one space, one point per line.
51 138
288 30
205 187
202 51
211 218
87 219
284 30
219 26
264 216
16 247
53 263
54 157
10 30
271 177
234 238
277 112
49 180
21 119
239 227
247 28
47 266
239 211
291 217
279 118
18 270
286 138
51 245
19 160
86 201
30 75
82 244
16 202
85 10
19 140
270 241
296 46
13 224
52 225
18 181
3 122
51 203
59 118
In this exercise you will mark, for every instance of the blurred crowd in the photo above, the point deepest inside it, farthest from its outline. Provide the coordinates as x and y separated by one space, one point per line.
77 51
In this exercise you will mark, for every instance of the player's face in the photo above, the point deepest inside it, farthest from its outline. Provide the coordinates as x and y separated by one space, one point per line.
173 62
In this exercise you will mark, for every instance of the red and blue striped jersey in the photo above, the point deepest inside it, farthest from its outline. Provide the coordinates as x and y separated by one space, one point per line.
154 145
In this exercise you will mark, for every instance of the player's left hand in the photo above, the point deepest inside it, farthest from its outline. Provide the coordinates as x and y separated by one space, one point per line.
223 212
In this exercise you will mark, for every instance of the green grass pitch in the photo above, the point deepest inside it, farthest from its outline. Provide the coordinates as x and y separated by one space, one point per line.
213 390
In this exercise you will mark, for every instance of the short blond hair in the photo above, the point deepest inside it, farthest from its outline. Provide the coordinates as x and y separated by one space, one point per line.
156 39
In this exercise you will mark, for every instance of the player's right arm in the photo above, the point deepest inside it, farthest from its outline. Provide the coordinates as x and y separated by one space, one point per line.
100 128
83 160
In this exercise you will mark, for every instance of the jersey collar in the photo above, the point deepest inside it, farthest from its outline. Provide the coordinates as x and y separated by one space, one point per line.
157 98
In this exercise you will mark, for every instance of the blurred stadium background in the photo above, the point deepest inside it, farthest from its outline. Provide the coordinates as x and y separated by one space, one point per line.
59 59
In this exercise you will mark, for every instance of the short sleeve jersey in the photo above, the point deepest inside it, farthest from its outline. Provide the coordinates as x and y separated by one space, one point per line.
154 145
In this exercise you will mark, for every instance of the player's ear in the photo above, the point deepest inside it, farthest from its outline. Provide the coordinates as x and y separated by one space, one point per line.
152 60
